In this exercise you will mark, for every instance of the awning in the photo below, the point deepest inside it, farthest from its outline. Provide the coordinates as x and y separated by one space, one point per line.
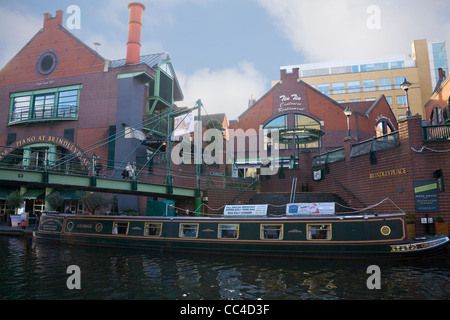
5 191
33 193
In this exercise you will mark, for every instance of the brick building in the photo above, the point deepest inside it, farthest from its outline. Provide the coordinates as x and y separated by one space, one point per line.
61 99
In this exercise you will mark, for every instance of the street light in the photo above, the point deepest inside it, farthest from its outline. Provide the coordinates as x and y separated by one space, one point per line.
348 112
405 86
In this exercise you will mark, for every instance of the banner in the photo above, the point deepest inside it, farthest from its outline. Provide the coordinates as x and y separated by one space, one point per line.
184 124
311 208
252 210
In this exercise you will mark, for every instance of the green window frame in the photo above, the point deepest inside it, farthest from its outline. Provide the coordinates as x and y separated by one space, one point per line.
51 104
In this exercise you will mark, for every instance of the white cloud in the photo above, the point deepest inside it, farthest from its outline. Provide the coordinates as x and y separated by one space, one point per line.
334 30
223 91
18 27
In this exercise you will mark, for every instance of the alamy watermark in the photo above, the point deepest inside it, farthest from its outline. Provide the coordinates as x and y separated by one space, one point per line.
248 144
374 19
374 281
74 20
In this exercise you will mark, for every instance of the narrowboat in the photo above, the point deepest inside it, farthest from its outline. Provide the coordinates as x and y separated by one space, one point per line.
353 236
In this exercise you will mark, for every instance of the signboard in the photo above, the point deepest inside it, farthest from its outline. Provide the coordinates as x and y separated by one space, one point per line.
311 208
184 124
252 210
425 195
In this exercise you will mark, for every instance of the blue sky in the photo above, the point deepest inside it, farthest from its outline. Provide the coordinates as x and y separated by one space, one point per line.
225 51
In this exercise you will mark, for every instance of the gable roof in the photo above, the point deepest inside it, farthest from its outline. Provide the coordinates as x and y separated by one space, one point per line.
154 61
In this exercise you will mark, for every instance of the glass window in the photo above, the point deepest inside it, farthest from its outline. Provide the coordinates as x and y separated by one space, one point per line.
401 100
355 68
338 87
397 65
319 231
355 100
354 86
67 104
277 123
436 116
385 84
153 229
389 100
398 81
228 231
43 106
271 232
369 85
120 228
21 109
383 128
324 88
188 230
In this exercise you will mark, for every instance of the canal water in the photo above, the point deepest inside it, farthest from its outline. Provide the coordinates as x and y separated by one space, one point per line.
36 269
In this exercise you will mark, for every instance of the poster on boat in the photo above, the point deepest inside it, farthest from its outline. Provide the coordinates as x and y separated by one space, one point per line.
246 210
311 208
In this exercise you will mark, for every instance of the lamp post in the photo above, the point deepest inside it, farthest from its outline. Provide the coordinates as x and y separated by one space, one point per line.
348 112
405 86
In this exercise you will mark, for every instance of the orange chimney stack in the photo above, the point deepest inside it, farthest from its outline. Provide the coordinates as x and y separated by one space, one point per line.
134 32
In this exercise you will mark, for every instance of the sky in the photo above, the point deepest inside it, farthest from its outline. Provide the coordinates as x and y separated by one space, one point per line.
226 51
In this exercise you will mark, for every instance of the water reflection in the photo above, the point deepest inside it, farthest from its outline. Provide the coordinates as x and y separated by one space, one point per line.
31 269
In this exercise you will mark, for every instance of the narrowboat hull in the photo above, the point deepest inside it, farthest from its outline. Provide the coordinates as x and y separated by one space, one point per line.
334 236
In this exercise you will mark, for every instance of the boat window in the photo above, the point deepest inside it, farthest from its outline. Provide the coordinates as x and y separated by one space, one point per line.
271 231
188 230
153 229
228 231
120 228
319 231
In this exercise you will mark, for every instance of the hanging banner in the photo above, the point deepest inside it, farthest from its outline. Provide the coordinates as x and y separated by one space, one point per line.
311 208
425 195
251 210
184 124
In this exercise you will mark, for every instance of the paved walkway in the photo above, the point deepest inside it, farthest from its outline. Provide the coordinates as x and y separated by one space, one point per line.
16 231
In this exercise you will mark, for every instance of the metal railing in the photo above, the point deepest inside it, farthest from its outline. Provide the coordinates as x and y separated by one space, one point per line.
385 142
185 175
439 132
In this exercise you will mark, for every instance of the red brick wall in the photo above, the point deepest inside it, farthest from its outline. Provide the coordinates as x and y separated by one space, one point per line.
351 178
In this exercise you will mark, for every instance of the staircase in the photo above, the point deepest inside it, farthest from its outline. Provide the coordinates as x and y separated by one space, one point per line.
277 201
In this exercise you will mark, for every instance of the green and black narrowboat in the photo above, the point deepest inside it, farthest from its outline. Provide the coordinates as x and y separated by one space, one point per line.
375 236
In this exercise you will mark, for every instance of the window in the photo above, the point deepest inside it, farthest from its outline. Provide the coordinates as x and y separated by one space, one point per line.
369 85
319 231
397 64
271 232
389 100
120 228
385 84
354 86
188 230
49 104
339 88
153 229
324 88
401 100
383 128
398 81
228 231
436 116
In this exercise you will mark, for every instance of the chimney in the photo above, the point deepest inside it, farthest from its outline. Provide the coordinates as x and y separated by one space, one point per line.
134 32
56 21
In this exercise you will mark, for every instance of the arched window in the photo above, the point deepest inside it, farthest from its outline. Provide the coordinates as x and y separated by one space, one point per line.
383 128
436 116
300 123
